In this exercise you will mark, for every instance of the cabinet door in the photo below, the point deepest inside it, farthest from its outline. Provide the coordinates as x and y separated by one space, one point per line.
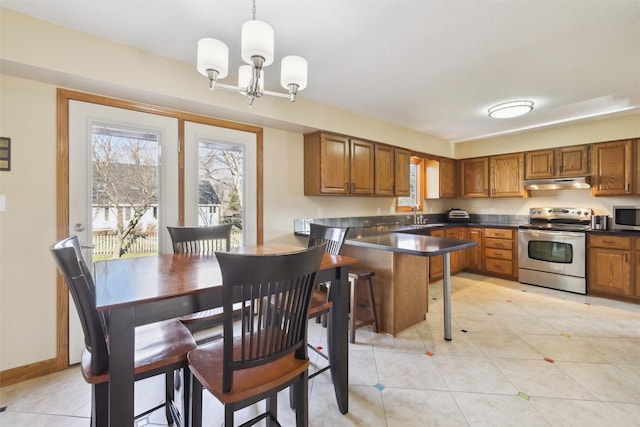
610 271
454 257
612 168
403 178
448 179
638 174
507 175
573 161
384 170
637 268
435 262
334 164
474 255
361 166
474 177
540 164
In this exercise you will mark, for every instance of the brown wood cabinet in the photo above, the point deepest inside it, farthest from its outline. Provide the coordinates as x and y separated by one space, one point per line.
637 167
474 177
507 175
500 252
448 178
385 170
336 164
613 168
402 175
558 162
613 264
436 270
474 255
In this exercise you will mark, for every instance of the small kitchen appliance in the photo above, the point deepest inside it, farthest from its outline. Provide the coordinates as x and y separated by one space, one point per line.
626 218
600 222
552 248
458 215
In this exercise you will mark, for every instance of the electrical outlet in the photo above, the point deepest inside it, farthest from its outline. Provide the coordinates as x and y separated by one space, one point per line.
493 210
378 211
319 213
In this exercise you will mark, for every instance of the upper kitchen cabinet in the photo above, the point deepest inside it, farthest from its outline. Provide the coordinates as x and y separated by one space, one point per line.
384 170
403 176
613 168
558 162
474 177
448 178
337 164
507 175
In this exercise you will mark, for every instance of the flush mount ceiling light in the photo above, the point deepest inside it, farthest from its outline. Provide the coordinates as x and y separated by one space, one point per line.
256 50
507 110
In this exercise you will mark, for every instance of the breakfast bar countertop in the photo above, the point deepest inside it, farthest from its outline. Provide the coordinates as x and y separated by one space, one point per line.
412 244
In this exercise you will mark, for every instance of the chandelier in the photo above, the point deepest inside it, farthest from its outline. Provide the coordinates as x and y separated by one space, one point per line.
257 51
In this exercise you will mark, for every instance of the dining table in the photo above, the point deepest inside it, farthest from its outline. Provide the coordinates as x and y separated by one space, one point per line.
143 290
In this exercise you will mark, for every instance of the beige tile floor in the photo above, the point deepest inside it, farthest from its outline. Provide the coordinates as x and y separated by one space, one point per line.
520 356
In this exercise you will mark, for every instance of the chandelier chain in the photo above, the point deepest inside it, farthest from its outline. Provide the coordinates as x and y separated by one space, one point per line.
254 10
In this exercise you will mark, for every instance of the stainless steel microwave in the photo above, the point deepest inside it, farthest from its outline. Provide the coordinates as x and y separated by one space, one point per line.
626 218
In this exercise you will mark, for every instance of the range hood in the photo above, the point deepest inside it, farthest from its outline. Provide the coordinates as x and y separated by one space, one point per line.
558 183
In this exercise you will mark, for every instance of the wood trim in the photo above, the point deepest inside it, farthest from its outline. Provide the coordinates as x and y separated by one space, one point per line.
63 96
28 372
62 225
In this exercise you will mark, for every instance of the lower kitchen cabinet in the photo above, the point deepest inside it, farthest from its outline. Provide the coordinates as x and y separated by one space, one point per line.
500 252
474 255
436 270
614 266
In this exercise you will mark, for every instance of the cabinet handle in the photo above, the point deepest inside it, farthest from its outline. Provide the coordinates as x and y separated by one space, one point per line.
550 171
628 188
353 187
493 191
561 169
346 186
608 242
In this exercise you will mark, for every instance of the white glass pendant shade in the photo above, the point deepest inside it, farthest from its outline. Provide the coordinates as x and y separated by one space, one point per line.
245 72
508 110
257 40
213 55
293 70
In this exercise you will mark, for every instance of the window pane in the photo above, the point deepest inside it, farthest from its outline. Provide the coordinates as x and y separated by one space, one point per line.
125 165
221 177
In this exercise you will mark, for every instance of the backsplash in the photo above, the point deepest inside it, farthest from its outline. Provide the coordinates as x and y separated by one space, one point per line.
389 222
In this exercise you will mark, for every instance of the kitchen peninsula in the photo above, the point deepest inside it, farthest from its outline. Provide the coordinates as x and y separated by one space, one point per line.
401 265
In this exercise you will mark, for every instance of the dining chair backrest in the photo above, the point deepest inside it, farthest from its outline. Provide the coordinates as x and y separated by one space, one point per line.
334 236
201 240
68 256
277 290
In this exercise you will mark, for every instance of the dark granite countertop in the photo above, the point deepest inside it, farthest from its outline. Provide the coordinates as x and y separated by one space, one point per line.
411 244
622 233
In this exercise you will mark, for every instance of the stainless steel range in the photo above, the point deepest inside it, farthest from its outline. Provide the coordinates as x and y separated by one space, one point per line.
552 248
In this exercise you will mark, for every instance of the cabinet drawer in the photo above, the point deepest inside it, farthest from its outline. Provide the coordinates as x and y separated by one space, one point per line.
498 244
614 242
451 233
498 253
498 266
498 233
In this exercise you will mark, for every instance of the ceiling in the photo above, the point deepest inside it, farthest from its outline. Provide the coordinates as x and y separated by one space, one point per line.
434 66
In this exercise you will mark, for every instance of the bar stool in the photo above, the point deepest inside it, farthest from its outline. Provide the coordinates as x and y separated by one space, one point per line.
361 276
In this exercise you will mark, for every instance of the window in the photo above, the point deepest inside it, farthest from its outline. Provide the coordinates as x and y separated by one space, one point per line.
416 187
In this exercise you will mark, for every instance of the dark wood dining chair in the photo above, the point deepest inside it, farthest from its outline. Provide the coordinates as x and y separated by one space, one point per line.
160 348
202 240
268 351
332 238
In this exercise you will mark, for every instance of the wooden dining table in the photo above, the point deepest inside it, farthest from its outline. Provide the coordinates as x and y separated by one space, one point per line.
139 291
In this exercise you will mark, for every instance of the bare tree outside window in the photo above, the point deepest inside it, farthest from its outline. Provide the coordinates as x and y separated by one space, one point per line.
125 184
221 182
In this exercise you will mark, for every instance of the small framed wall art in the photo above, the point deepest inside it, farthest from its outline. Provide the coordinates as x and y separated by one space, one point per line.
5 154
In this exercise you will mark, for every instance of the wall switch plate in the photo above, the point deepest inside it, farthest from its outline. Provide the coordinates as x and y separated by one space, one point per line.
378 211
319 213
3 203
493 210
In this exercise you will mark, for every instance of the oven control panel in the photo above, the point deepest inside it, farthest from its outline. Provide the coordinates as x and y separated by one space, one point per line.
561 214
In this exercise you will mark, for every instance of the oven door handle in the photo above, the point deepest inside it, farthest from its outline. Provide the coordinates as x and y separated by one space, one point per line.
552 233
